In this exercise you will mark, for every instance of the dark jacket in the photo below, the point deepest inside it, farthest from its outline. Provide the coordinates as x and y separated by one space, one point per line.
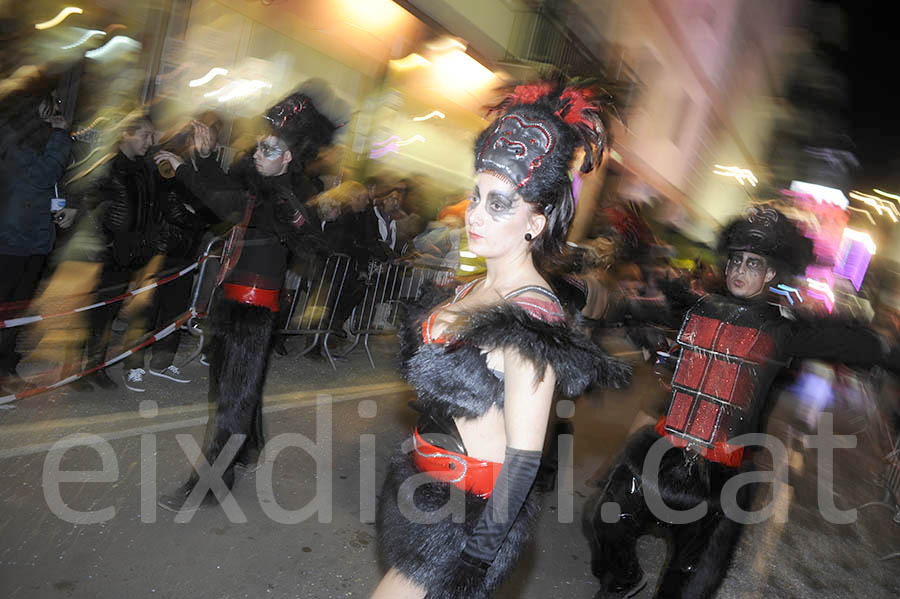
135 215
279 221
28 177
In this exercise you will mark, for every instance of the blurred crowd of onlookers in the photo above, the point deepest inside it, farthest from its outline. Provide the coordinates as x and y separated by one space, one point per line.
74 235
83 223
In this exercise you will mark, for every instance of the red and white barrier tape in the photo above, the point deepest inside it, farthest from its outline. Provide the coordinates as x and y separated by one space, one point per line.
22 321
156 336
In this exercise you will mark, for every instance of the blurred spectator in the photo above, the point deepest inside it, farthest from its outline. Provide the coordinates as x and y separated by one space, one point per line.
439 243
34 149
375 231
136 219
409 221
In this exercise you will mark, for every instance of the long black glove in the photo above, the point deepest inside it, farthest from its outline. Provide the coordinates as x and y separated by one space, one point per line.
513 484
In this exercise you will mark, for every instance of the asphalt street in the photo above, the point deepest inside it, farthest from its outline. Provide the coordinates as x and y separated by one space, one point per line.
301 526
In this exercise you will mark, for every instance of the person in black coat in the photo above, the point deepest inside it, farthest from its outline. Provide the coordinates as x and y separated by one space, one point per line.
273 222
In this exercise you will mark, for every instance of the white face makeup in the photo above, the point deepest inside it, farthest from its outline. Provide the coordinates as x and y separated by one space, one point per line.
497 218
747 274
271 156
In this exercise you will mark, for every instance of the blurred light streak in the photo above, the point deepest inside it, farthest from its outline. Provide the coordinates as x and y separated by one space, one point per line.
409 62
126 43
59 18
467 254
862 237
790 289
887 195
853 257
821 290
881 206
467 268
864 211
389 139
392 145
213 72
237 89
400 142
821 193
783 293
458 70
740 174
87 35
432 114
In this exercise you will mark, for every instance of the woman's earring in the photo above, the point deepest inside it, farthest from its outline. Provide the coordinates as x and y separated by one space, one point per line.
527 236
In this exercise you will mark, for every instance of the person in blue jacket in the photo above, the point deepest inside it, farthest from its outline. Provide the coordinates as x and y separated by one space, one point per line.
34 150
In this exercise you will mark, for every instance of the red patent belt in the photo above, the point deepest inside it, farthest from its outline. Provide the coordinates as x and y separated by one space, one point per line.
266 298
469 474
721 452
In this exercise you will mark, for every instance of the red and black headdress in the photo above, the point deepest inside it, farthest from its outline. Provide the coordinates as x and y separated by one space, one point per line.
307 119
532 143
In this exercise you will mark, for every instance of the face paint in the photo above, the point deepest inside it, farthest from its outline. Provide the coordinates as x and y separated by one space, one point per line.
498 205
747 274
754 264
269 151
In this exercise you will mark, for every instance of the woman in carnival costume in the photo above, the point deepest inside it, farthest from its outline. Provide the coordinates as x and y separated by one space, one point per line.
457 507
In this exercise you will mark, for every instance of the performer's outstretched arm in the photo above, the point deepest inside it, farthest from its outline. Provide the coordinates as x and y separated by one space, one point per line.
527 399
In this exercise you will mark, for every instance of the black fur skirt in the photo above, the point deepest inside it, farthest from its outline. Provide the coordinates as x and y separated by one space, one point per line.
424 548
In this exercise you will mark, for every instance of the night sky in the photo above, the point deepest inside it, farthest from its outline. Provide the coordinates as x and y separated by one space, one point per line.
870 64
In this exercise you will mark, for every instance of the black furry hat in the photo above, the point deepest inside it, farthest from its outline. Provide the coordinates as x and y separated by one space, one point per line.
766 231
307 119
532 143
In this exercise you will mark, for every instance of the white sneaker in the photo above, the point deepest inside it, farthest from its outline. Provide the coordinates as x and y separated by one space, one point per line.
134 379
172 373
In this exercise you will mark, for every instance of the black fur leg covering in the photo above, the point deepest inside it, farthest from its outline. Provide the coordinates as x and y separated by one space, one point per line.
239 357
426 552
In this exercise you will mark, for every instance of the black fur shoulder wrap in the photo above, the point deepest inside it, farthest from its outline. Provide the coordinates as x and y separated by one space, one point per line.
453 379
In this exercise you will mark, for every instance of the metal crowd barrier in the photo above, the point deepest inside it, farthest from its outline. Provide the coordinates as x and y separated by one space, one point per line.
316 296
389 285
375 294
203 291
315 301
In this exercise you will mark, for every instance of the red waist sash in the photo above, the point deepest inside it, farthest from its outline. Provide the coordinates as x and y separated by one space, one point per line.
464 472
721 452
266 298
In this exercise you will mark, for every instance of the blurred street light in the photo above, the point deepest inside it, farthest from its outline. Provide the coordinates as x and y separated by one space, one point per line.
741 175
60 17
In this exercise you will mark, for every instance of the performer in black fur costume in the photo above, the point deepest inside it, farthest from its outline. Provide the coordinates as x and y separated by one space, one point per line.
732 348
488 359
273 221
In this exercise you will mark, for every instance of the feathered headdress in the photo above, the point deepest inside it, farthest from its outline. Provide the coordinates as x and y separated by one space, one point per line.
308 118
531 145
541 124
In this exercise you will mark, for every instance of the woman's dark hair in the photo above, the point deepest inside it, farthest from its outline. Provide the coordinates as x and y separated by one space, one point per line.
572 115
